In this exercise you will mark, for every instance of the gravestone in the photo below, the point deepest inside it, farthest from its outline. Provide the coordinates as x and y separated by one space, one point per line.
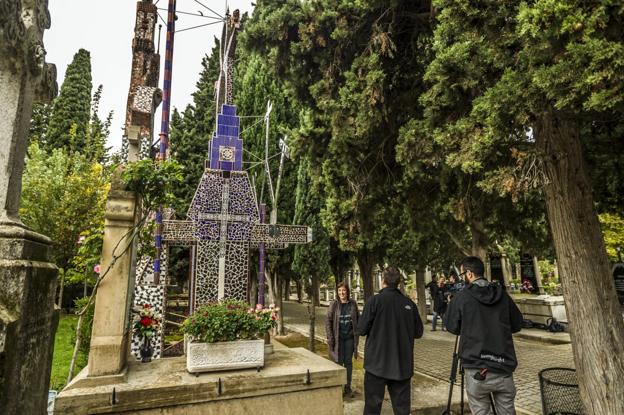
496 268
528 272
28 317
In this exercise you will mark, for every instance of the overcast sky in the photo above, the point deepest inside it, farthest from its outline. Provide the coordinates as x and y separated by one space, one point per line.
106 28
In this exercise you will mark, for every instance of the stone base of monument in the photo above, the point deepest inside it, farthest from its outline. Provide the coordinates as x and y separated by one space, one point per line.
292 381
542 307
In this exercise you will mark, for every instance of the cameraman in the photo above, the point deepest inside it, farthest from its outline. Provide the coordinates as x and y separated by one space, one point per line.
485 316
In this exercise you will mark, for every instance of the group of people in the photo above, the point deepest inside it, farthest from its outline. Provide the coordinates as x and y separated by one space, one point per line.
442 290
481 313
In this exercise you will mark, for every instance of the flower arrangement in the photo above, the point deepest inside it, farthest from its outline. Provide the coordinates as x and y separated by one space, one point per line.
229 320
146 321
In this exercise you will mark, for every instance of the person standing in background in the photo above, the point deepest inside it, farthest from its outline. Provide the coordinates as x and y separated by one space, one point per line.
340 325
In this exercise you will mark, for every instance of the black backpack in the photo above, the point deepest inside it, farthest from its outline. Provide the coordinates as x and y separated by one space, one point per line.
553 326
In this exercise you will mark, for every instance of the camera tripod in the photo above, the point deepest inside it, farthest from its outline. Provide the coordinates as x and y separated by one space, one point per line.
453 378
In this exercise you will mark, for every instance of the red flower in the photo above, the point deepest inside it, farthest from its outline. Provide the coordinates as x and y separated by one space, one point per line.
146 321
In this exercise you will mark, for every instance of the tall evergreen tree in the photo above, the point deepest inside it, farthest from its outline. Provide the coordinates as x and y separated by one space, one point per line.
192 129
521 83
311 261
71 110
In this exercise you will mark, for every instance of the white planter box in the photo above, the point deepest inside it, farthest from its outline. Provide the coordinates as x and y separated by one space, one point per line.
210 357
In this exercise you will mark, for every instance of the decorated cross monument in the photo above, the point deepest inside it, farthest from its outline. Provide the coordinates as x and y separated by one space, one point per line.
223 218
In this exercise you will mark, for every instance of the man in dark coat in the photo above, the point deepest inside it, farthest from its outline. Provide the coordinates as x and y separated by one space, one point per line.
390 322
485 316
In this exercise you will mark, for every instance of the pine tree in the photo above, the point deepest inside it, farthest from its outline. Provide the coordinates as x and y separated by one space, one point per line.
311 261
95 148
72 107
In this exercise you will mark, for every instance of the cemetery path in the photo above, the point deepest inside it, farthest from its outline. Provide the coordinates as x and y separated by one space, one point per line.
433 352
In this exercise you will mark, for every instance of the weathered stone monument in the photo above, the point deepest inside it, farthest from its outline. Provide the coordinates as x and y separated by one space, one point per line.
28 318
223 225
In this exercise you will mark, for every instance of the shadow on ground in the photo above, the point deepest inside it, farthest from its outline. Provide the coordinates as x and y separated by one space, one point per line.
429 396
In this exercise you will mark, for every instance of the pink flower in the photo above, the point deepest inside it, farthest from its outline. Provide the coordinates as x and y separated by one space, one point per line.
96 268
271 305
258 306
81 239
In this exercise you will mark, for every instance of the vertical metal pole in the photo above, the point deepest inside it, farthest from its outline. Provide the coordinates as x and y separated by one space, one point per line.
164 126
261 254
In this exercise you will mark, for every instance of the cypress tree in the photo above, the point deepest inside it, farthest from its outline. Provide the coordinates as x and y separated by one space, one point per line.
72 108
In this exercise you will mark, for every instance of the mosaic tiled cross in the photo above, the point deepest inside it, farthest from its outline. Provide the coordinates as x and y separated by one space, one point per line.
223 221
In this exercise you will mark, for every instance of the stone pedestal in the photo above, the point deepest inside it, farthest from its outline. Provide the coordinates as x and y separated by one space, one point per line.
165 387
28 319
539 309
111 325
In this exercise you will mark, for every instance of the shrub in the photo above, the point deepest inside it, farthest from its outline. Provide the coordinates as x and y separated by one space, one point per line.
228 321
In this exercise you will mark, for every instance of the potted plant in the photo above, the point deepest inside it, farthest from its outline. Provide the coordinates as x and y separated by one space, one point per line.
146 323
227 335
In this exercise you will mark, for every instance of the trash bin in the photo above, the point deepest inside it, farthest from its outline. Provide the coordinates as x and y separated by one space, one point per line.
560 392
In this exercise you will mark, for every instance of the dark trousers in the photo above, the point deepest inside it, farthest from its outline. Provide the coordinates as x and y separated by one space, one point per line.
374 389
345 356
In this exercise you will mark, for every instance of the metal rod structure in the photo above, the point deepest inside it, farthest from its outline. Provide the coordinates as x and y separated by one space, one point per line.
261 249
164 127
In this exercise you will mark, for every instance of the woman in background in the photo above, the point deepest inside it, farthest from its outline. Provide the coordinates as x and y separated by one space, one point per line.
342 319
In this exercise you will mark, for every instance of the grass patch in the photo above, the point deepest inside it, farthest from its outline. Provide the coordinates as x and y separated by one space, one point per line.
63 349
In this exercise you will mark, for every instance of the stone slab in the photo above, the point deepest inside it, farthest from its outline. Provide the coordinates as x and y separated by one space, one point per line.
165 387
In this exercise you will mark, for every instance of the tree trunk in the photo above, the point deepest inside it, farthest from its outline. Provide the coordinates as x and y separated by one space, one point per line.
280 322
286 290
299 291
365 263
61 287
479 240
312 312
596 324
253 292
420 294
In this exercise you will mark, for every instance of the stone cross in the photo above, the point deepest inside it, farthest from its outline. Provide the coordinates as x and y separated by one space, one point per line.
224 222
28 317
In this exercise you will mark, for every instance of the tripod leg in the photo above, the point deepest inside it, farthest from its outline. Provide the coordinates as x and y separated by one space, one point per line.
452 378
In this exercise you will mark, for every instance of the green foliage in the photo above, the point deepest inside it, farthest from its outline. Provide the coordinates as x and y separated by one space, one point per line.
63 196
87 324
228 321
613 233
311 260
154 181
72 108
191 131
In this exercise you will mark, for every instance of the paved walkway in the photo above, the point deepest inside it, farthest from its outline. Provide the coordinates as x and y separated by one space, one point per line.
432 354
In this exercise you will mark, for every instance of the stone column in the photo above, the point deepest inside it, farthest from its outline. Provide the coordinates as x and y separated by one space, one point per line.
110 333
538 275
488 268
28 317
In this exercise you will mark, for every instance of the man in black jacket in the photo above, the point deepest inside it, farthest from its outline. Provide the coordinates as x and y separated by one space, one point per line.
391 322
485 316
